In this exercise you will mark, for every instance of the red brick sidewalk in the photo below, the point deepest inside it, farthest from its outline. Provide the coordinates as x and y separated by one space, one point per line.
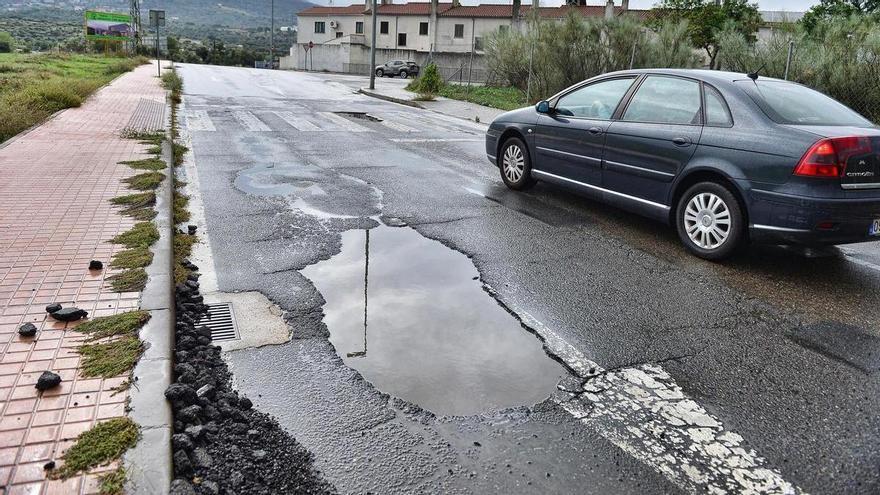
55 183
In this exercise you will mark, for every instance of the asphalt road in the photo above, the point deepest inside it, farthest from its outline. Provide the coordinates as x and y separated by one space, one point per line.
678 375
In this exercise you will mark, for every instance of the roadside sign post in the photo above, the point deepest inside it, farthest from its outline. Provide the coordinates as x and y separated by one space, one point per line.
374 14
157 19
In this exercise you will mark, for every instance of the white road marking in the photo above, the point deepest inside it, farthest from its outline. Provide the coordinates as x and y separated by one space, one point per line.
297 121
397 126
198 120
426 120
250 121
342 122
642 411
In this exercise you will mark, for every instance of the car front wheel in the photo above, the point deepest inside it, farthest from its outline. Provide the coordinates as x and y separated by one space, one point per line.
516 167
404 74
710 221
380 72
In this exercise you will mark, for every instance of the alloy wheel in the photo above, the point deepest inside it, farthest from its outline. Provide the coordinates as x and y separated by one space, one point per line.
513 163
707 220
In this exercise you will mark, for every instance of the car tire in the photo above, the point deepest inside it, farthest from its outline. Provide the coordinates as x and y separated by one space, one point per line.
515 165
380 73
710 221
404 74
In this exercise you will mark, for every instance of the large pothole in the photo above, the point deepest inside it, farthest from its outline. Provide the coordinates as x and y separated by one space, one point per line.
411 316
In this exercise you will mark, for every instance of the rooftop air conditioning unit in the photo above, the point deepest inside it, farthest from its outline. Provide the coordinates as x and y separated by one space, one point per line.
334 24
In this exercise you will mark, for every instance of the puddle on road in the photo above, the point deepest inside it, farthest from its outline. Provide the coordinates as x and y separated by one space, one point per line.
408 314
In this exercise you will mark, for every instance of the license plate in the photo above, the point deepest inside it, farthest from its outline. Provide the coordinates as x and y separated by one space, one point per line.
875 227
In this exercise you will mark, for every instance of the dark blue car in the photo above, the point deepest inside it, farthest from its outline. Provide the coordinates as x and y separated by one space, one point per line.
724 157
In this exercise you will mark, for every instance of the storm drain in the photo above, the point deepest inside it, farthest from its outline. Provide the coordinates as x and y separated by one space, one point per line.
221 320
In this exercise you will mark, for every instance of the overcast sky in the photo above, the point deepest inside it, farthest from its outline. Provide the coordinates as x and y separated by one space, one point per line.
787 5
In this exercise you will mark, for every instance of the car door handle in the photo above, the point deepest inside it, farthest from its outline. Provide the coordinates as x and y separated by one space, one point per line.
681 141
595 130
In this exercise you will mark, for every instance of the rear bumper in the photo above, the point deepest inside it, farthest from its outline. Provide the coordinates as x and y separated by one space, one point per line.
789 219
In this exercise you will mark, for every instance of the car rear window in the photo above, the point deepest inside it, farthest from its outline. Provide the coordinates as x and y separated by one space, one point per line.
791 103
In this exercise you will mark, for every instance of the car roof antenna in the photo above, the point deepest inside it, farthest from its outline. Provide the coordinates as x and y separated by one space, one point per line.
754 75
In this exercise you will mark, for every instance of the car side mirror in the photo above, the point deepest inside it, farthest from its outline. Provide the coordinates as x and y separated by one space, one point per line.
543 106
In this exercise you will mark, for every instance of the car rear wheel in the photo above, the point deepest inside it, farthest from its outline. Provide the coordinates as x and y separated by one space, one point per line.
380 72
404 74
516 167
710 221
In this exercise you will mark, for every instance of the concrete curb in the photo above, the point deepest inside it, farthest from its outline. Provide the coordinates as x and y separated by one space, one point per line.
380 96
149 463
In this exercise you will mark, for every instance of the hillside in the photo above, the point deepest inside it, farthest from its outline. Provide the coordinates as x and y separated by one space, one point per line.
233 13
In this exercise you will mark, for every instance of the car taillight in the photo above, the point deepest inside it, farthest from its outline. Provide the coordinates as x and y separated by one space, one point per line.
828 157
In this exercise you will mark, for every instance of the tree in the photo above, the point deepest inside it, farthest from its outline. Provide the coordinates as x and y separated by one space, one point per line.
828 9
6 42
173 48
706 18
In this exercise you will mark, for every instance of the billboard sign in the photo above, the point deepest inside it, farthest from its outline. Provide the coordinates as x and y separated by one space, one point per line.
107 26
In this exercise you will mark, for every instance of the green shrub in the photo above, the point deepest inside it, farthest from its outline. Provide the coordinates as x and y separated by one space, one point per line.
430 82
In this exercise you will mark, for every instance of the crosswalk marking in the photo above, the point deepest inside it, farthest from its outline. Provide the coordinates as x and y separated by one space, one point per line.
342 122
250 121
198 120
298 122
397 126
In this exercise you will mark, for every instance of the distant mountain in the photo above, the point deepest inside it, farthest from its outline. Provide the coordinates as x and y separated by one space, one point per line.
234 13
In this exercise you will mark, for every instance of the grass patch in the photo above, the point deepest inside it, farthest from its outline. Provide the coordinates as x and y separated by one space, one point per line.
138 206
172 82
143 234
132 280
145 181
153 164
490 96
178 151
179 211
34 86
183 244
112 483
110 359
99 446
136 257
111 326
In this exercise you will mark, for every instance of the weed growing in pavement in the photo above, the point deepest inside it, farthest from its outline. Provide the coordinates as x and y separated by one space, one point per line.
112 358
136 257
112 326
154 164
132 280
103 444
138 206
183 244
172 82
143 234
145 181
112 483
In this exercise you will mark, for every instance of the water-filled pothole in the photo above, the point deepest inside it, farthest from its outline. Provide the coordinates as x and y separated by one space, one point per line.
408 313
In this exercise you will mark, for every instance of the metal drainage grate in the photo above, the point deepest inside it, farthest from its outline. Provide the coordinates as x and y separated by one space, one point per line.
221 320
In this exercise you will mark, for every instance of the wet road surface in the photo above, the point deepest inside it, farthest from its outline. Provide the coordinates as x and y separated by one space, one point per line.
677 374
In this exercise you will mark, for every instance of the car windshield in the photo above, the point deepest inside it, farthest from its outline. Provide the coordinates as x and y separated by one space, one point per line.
796 104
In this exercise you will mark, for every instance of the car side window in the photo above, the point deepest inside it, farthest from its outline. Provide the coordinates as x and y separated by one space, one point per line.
594 101
665 100
717 113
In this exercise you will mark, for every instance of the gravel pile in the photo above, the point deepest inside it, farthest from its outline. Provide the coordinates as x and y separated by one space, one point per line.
221 444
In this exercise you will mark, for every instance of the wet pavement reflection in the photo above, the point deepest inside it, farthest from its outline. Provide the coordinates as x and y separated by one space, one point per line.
410 315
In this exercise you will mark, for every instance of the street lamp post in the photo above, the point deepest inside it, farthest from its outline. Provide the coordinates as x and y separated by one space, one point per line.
373 48
272 39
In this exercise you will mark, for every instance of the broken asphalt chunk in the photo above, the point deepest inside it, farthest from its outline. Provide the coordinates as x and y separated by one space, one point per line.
96 265
47 380
69 314
53 308
27 330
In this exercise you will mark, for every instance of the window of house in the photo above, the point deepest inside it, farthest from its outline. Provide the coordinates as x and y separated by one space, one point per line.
503 28
339 34
358 27
478 43
383 27
401 39
459 31
319 27
423 29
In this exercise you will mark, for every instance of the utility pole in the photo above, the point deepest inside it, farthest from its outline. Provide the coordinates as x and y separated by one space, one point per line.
272 39
375 13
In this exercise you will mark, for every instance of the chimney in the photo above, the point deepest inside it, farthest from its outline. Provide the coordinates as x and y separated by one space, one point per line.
609 9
